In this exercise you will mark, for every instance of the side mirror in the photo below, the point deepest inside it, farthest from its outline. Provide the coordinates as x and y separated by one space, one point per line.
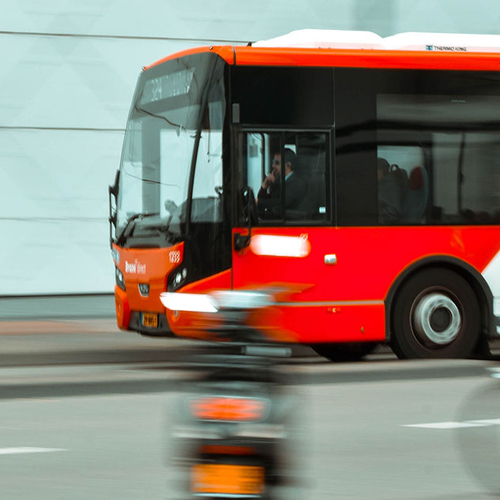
250 211
113 194
113 189
250 207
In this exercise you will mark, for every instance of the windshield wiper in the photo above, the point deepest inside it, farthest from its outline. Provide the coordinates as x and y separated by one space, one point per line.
173 211
154 115
130 225
164 230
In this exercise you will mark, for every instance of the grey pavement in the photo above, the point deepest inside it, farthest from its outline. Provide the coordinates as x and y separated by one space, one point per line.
57 307
358 441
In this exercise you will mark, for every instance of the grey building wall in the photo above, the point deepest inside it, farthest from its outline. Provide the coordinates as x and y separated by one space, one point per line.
67 74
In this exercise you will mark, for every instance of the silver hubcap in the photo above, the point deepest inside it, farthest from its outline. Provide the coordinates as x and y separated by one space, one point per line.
437 319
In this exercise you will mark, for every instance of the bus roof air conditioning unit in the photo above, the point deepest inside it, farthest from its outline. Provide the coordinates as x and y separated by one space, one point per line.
340 39
443 42
325 39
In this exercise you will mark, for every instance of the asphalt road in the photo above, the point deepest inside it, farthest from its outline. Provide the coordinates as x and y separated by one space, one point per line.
85 414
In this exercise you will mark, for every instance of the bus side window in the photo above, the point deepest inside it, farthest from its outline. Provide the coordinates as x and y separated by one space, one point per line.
403 184
289 168
312 169
417 195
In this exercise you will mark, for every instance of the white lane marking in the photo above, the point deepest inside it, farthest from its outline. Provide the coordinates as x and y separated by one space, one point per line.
489 421
447 425
457 425
26 449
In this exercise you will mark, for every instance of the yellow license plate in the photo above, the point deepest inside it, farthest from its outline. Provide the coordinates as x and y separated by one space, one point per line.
227 479
150 320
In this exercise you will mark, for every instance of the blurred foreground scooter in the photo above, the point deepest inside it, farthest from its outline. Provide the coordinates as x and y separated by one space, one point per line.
235 433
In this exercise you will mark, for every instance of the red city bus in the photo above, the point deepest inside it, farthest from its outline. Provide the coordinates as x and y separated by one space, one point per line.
366 171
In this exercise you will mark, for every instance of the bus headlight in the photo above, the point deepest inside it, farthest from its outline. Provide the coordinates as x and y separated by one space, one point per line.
177 279
120 281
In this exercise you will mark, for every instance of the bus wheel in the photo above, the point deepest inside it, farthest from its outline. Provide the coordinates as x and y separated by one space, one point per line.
435 315
345 352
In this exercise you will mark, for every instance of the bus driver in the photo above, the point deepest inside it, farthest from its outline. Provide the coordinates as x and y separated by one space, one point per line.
269 196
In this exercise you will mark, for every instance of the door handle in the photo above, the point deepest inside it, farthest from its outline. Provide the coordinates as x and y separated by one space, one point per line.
330 259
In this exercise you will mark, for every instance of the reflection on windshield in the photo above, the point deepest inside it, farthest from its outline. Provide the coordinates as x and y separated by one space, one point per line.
207 188
155 165
161 137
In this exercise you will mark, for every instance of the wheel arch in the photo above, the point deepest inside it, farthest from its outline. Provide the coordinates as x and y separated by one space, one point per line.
473 277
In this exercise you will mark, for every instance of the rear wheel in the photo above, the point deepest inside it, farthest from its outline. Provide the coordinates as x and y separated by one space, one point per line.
435 315
345 352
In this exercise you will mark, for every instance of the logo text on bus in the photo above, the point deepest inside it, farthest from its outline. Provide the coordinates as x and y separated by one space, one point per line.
135 267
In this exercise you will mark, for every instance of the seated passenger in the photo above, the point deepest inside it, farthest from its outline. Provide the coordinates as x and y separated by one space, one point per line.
416 200
269 196
392 186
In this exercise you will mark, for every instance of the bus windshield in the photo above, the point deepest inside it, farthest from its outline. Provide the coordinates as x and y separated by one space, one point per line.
176 106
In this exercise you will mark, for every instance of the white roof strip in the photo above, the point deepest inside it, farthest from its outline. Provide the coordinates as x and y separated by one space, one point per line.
337 39
443 42
325 39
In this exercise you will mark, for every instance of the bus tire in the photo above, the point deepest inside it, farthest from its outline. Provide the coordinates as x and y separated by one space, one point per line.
345 352
436 314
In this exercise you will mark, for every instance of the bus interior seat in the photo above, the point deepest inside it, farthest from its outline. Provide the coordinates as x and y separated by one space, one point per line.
300 211
311 169
316 196
416 196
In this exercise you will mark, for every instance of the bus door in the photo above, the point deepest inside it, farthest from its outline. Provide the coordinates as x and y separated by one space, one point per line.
282 180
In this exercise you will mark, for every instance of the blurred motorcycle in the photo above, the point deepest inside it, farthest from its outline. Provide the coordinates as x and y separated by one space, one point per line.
235 431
